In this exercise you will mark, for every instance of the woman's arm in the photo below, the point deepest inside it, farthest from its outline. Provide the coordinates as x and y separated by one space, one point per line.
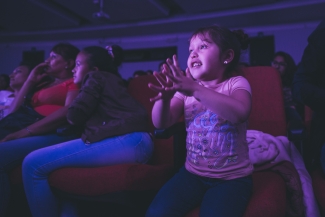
47 124
34 78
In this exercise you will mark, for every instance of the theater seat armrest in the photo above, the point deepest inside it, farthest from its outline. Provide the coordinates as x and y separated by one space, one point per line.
296 131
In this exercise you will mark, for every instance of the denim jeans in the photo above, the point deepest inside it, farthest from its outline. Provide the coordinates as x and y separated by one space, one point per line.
12 154
129 148
217 197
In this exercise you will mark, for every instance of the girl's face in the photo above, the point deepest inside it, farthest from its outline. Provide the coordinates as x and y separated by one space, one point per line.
56 64
280 64
81 68
204 59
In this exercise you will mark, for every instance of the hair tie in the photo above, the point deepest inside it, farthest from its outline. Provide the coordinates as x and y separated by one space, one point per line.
110 50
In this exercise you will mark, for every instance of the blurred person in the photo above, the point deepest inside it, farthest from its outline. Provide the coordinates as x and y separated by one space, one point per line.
139 73
103 106
309 89
17 79
4 81
286 67
34 119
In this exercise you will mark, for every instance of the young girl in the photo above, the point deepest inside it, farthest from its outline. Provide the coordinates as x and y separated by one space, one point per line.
115 129
216 105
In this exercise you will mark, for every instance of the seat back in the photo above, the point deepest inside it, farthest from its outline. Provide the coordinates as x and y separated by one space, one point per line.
138 88
267 114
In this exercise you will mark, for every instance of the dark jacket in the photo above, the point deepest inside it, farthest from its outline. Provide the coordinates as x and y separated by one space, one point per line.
309 84
106 109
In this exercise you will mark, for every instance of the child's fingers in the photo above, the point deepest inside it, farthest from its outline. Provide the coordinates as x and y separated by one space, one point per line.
188 73
176 61
174 66
155 88
171 78
161 79
156 98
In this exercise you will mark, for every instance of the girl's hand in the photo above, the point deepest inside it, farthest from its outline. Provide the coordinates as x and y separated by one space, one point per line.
164 82
37 73
181 83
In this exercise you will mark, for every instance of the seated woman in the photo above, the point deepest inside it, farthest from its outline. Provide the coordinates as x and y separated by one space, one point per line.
49 105
286 66
115 132
17 79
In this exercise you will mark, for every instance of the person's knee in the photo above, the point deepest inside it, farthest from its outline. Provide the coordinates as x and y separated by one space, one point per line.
30 164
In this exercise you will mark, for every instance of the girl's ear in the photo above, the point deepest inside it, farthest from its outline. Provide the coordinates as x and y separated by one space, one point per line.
95 68
228 56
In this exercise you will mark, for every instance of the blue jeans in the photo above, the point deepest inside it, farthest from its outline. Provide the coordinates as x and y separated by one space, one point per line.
12 154
129 148
217 197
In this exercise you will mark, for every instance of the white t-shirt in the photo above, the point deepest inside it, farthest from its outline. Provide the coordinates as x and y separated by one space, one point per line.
5 100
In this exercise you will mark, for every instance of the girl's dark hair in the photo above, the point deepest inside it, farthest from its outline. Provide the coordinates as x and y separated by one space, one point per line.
66 50
101 58
6 79
235 40
291 68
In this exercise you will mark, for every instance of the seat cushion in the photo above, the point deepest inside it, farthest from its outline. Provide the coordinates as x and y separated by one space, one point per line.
103 180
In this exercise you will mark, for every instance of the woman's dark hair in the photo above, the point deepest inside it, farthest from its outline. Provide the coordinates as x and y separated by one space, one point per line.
291 68
104 60
66 50
6 78
235 40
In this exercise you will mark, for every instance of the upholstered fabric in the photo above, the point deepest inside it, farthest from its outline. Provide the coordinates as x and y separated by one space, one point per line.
267 113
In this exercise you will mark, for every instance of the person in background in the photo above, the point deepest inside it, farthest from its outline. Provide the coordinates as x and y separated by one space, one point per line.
309 89
139 73
216 104
286 67
17 79
115 132
49 103
4 82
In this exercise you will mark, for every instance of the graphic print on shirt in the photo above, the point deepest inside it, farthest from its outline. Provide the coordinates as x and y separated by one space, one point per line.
211 140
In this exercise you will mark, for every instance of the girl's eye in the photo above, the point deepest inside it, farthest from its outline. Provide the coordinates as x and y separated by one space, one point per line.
190 51
203 46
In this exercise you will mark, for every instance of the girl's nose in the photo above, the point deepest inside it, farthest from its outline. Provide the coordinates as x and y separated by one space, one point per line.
193 54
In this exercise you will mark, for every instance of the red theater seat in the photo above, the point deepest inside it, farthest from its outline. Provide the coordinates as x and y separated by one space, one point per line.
125 183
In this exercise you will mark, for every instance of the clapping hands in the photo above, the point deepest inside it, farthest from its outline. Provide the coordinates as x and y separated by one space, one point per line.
172 79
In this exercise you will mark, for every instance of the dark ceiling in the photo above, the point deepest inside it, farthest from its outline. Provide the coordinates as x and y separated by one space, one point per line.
39 20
